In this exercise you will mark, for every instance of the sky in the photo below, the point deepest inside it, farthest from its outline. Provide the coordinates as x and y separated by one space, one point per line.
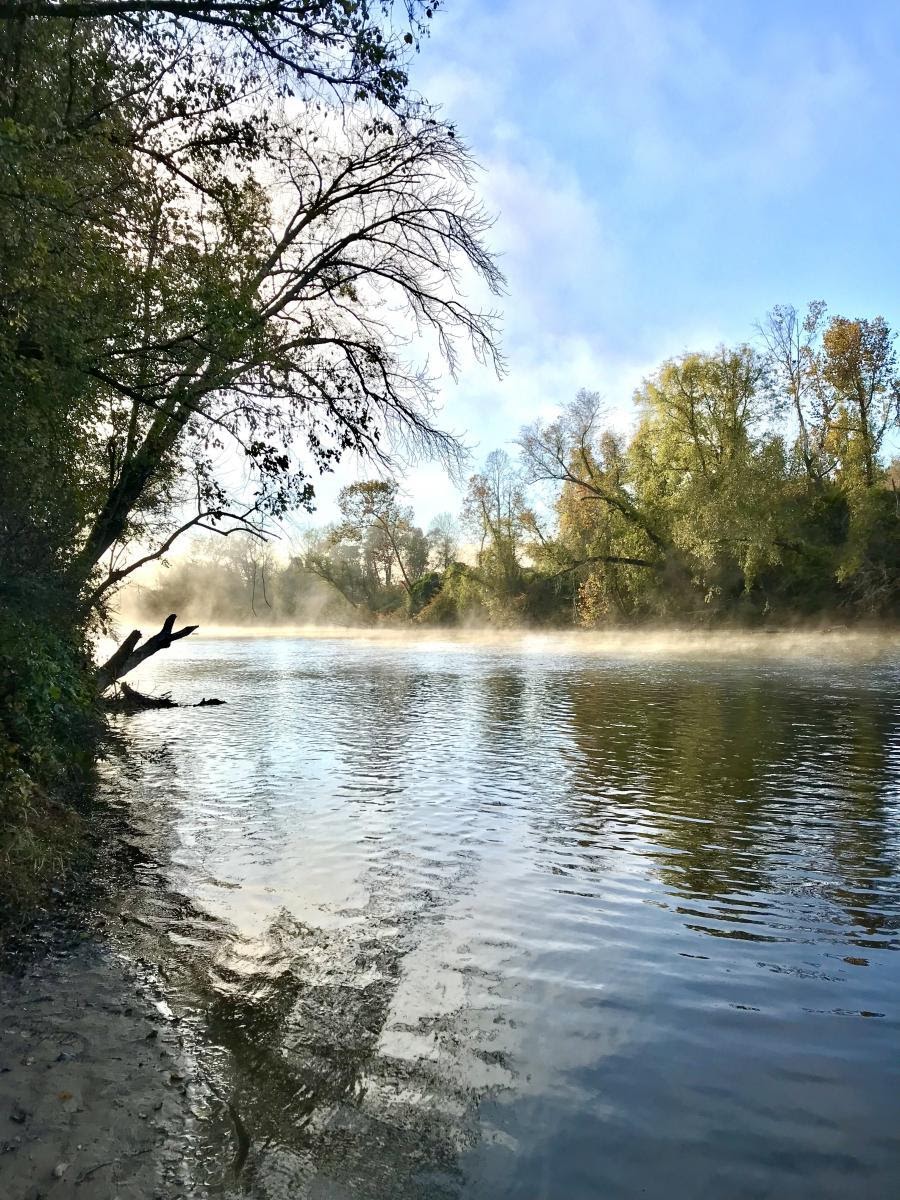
662 173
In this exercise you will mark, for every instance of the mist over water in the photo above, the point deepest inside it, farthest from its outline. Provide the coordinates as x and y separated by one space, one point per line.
814 644
537 916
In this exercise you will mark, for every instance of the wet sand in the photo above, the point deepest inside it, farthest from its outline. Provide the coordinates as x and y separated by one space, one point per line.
95 1098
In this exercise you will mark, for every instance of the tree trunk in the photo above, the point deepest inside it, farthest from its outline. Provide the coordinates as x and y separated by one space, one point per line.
130 655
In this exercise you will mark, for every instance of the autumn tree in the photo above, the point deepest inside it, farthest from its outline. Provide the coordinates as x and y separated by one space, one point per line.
374 518
859 366
839 379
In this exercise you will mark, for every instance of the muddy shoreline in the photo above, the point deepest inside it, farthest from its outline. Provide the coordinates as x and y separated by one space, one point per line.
98 1090
110 1088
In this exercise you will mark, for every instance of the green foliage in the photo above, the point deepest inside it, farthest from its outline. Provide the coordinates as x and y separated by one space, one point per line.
703 469
869 570
376 557
460 600
48 726
46 696
753 485
422 591
742 494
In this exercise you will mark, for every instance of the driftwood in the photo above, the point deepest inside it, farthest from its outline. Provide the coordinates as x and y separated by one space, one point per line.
130 655
129 699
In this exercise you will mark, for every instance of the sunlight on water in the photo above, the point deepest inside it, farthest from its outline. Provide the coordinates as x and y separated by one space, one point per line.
483 917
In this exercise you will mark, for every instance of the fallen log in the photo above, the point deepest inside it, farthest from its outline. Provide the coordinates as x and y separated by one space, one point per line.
129 699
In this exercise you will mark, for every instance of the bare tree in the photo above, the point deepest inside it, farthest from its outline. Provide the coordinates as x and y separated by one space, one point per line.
792 376
443 540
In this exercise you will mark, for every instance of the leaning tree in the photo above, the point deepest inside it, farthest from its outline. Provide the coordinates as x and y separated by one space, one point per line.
255 227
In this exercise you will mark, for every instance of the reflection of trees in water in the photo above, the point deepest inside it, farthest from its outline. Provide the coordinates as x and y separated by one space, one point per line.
305 1029
746 783
304 1040
864 808
385 725
519 732
385 735
730 784
306 1012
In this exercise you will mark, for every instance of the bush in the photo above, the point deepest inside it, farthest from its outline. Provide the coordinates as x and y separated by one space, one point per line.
459 600
422 592
49 719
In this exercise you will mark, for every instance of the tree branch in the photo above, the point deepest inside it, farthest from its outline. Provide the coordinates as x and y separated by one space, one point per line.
130 655
612 559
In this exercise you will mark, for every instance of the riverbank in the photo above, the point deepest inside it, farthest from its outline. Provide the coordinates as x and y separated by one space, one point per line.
95 1090
51 729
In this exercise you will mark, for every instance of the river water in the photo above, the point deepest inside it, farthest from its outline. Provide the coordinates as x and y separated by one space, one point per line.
518 920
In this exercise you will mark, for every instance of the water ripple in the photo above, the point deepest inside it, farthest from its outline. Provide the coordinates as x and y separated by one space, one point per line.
502 922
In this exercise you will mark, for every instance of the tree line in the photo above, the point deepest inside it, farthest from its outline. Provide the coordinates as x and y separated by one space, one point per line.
757 484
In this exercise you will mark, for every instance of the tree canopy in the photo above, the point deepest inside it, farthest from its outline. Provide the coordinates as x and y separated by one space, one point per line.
226 228
753 484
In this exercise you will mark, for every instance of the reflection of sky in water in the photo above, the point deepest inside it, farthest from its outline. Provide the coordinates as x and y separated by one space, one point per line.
485 924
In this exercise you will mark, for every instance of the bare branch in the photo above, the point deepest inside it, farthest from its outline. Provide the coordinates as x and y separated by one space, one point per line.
130 655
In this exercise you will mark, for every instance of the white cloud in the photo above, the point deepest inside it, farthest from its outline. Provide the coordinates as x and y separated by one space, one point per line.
625 148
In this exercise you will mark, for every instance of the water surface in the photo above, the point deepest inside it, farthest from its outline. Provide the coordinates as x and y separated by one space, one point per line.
486 922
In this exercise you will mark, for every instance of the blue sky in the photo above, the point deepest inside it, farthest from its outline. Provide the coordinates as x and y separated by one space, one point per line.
663 172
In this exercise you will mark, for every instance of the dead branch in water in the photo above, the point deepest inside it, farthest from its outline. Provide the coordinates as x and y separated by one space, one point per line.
130 655
129 699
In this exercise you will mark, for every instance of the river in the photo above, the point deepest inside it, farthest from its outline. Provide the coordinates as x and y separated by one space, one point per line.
517 919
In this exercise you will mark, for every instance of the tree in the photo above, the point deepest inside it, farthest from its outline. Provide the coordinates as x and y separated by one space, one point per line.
251 263
373 516
339 565
791 367
64 281
252 560
337 46
492 513
443 540
859 364
706 468
604 539
282 334
841 382
414 551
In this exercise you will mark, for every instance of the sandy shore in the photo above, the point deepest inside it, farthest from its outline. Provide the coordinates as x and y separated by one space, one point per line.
95 1094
